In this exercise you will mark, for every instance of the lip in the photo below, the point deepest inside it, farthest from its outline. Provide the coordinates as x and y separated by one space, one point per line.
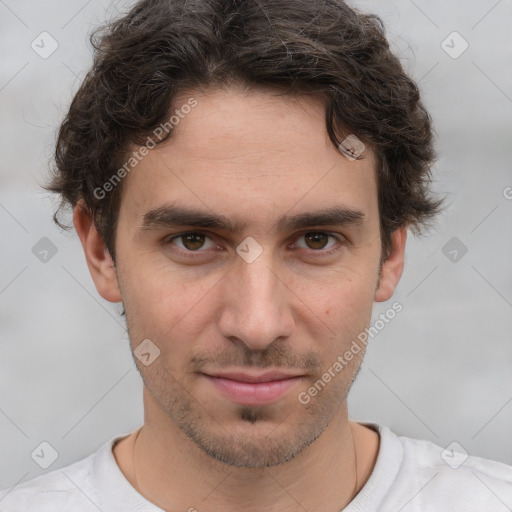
251 389
254 377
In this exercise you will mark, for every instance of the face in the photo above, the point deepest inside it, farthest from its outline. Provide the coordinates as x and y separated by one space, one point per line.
249 243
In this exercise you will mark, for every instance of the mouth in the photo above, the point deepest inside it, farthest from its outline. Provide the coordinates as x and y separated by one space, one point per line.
253 389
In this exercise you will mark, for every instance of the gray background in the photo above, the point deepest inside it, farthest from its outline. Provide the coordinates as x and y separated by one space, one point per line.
441 370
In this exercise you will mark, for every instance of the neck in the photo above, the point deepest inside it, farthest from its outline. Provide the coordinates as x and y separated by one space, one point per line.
169 470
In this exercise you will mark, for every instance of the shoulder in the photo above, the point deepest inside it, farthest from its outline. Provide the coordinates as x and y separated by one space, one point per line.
435 478
73 487
58 488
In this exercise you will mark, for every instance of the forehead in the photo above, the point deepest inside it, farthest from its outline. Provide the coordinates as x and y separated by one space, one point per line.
249 151
252 124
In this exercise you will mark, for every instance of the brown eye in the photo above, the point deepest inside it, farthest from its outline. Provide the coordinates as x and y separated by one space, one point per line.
316 240
318 243
191 242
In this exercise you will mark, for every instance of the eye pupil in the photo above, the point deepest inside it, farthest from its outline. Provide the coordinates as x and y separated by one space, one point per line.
194 241
193 236
315 237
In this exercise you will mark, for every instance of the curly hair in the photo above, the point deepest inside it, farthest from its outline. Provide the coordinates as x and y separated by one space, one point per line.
320 47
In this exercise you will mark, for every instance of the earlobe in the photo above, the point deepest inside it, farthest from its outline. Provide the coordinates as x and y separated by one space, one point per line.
99 261
392 268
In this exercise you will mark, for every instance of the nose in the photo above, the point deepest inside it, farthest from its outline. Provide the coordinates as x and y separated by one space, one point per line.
256 304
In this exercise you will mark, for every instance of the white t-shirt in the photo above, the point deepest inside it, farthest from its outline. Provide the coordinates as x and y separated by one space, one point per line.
409 475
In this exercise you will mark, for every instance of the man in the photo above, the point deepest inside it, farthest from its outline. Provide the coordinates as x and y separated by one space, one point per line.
243 175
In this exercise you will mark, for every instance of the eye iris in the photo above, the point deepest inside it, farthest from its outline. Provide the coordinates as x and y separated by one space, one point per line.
315 237
197 241
194 241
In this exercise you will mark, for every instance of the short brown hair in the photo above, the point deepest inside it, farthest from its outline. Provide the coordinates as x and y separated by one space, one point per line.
325 48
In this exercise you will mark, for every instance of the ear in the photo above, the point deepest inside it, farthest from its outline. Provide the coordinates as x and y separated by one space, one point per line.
99 261
392 268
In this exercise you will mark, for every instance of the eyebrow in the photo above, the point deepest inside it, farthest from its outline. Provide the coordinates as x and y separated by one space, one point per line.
177 216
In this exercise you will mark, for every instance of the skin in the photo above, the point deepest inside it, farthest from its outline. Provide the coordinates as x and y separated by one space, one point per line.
252 156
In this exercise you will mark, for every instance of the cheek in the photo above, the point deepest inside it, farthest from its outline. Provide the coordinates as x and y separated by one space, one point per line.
170 309
160 290
338 295
342 311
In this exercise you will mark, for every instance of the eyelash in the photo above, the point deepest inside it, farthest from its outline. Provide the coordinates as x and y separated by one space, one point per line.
195 254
